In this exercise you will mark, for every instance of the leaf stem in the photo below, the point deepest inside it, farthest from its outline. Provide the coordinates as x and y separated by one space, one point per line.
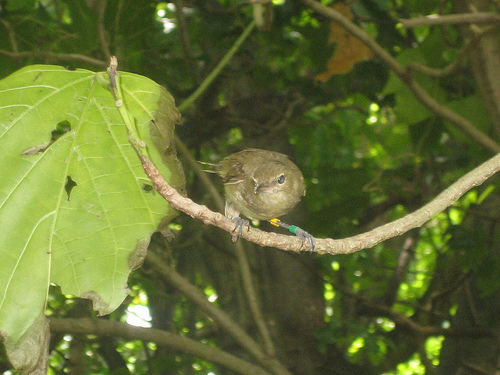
214 73
133 136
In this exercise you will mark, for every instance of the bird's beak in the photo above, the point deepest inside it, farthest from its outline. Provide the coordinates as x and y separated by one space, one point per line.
261 187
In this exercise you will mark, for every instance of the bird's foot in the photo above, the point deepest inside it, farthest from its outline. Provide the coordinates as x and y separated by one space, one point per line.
238 229
306 236
297 231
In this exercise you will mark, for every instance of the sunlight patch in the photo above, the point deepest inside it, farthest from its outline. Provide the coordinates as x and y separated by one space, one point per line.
138 316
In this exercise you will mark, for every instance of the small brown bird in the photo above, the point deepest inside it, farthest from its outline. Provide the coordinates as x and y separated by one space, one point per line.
262 185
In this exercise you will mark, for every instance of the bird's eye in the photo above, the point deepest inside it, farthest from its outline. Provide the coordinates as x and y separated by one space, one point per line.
281 179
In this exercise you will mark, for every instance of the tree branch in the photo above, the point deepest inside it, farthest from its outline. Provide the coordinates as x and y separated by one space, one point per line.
451 68
455 119
450 19
327 246
110 328
253 300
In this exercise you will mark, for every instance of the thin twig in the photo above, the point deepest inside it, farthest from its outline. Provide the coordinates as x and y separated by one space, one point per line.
453 67
457 282
101 30
253 301
447 70
185 38
215 72
455 19
183 29
410 326
201 174
55 56
12 35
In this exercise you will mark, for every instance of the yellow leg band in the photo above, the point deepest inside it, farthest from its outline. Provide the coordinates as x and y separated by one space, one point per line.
275 222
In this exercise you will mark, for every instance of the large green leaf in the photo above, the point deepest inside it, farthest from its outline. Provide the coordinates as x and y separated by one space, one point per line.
76 208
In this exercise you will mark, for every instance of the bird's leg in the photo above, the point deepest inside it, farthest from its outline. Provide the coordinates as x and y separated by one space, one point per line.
234 215
238 229
306 236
